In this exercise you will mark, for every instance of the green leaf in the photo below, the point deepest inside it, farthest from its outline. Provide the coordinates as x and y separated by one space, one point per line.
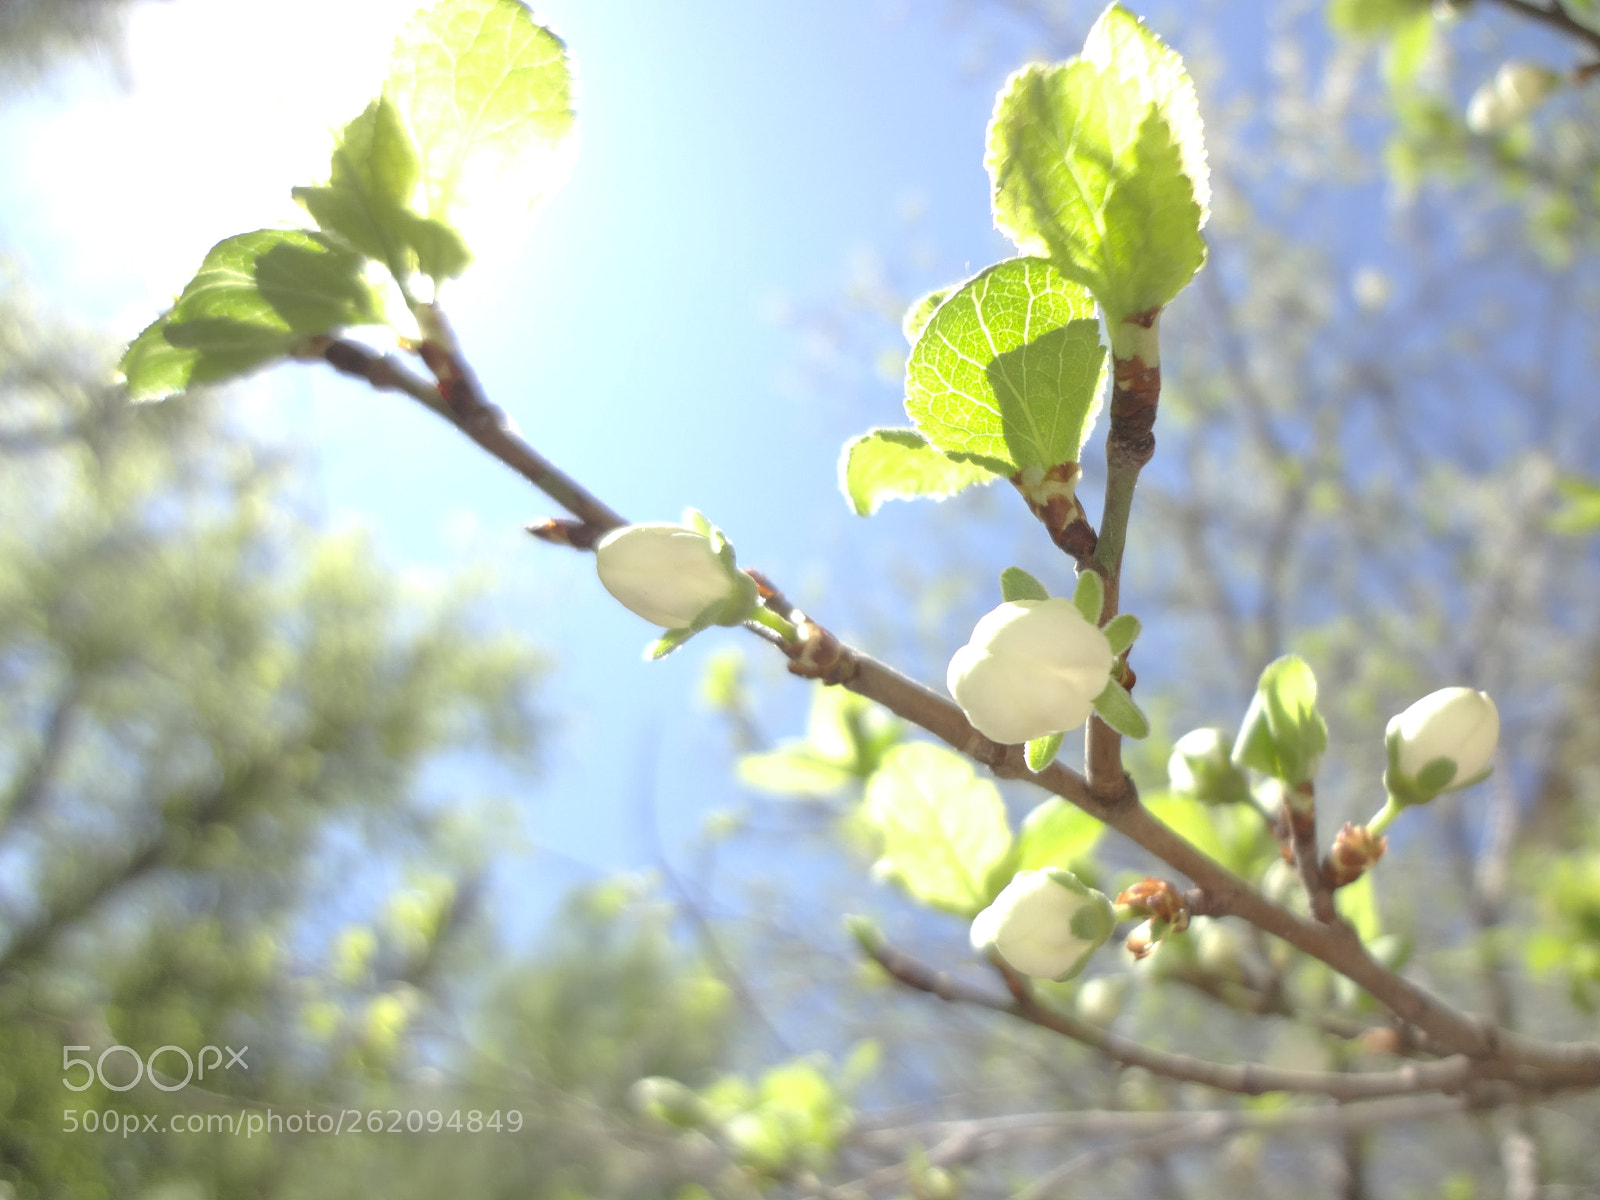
367 200
1017 584
1122 44
667 643
485 95
1409 48
1369 18
255 297
1191 820
1098 164
1009 368
1121 631
1283 734
1117 709
916 318
1089 596
1056 834
898 464
850 730
153 367
943 829
793 772
1042 751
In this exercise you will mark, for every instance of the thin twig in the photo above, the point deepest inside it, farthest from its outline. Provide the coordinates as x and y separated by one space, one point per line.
1246 1079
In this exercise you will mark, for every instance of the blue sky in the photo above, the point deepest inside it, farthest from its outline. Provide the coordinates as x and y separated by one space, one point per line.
735 157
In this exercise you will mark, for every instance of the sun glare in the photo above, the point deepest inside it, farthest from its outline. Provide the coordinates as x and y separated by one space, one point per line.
230 104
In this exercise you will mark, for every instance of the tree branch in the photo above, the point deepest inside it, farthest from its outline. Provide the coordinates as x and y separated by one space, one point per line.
1246 1079
1535 1064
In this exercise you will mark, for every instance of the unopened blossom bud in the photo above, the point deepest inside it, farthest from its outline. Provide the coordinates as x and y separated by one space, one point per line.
1517 89
675 576
1443 742
1202 766
1045 923
1032 668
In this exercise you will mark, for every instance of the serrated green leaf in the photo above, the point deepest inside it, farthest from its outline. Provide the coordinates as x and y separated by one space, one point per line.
1009 368
1117 709
1056 834
1017 584
899 464
1089 163
255 297
153 367
371 185
485 95
1040 752
1122 44
943 829
916 317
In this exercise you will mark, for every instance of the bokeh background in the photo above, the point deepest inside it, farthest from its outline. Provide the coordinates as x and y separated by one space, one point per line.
307 745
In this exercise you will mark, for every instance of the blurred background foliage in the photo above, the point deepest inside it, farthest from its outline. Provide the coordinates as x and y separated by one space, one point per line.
252 780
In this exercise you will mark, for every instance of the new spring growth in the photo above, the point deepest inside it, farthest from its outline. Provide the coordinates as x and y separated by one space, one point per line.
1201 767
1517 89
681 577
1031 669
1045 923
1442 743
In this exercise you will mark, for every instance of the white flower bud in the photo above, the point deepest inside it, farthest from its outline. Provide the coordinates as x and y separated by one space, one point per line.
1032 668
1517 89
1455 725
1202 766
670 574
1045 923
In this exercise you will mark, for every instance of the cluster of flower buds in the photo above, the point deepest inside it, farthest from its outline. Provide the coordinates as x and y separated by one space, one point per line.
1045 923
